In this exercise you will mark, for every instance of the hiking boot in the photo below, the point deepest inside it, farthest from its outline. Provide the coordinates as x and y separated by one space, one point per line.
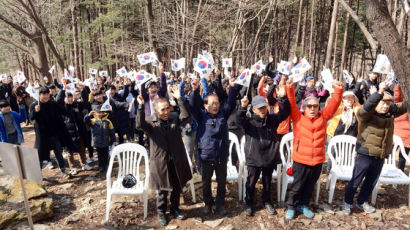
50 165
221 211
366 207
86 167
290 214
207 209
162 219
306 211
248 210
270 209
346 208
73 171
177 213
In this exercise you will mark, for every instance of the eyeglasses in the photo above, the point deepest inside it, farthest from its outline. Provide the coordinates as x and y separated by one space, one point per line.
314 106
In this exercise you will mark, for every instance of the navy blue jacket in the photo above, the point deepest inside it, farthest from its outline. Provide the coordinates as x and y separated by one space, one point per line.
212 136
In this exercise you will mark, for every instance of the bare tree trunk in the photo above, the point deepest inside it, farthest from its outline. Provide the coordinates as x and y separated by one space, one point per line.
304 27
331 35
335 49
312 13
344 48
391 41
299 22
366 33
75 38
149 17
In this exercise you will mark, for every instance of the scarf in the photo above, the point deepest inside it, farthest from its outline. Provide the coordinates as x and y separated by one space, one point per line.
347 117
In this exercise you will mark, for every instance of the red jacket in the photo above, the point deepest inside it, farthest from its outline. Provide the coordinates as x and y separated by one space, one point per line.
401 124
310 134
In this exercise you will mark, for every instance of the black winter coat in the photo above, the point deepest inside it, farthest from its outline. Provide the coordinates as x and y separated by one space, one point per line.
261 140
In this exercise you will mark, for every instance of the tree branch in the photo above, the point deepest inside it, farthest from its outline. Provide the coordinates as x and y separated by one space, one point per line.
373 43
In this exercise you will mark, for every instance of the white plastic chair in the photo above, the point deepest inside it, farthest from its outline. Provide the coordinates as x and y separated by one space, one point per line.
232 172
344 148
390 173
129 157
191 182
276 175
286 146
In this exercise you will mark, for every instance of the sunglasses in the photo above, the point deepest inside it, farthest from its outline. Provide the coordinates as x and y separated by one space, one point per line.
314 106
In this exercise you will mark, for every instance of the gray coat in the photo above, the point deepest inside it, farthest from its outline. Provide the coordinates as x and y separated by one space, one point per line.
165 145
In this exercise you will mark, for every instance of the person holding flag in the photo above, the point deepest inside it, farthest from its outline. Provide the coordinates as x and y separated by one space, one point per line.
49 128
73 121
151 91
309 130
262 144
212 142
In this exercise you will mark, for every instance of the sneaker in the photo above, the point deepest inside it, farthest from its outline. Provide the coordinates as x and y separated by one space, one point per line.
162 219
306 211
290 214
95 159
221 211
50 165
346 208
89 161
207 209
73 171
65 155
177 213
86 167
366 207
270 209
248 210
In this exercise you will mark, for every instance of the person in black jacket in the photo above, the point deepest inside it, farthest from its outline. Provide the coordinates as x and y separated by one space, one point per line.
49 126
73 121
261 144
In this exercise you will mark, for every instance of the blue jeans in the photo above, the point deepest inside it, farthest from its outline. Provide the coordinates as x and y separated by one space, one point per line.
369 168
13 139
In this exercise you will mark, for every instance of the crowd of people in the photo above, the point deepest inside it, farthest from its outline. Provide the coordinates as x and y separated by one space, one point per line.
181 117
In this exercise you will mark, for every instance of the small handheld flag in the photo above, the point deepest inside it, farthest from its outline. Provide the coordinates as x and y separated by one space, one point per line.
103 73
245 78
105 107
93 71
3 77
382 65
226 62
176 65
122 72
52 69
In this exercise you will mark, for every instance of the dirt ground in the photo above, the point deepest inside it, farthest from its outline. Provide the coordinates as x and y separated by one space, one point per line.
80 204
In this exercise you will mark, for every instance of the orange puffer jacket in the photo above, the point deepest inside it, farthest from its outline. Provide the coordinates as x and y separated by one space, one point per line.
310 134
401 124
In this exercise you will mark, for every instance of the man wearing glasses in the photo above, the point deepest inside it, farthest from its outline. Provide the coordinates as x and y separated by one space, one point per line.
309 130
374 144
